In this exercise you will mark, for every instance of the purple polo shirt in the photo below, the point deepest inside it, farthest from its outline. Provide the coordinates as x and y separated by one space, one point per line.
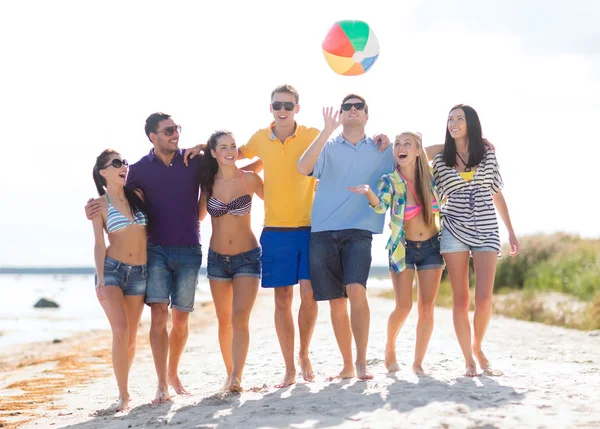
171 196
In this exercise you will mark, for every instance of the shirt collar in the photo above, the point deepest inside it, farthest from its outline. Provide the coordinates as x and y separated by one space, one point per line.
340 139
151 155
272 133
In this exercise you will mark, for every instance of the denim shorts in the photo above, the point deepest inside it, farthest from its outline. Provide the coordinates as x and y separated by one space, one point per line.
424 255
228 267
284 256
451 244
131 279
173 275
337 259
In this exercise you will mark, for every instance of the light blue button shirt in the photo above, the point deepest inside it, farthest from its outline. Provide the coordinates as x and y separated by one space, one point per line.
340 165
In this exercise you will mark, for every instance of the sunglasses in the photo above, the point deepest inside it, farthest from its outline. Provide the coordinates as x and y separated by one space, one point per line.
169 131
348 106
117 163
287 105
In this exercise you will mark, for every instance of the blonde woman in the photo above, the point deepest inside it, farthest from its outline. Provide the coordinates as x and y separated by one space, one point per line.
410 194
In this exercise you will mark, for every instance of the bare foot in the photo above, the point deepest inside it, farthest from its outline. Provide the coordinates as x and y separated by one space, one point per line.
122 403
235 385
176 384
362 373
345 373
288 380
226 384
306 369
418 369
471 370
162 396
390 361
485 365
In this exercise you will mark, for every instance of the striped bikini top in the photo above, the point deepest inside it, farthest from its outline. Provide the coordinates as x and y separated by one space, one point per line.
412 211
115 220
239 206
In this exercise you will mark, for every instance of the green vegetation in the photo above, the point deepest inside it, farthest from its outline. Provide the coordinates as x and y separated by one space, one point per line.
554 280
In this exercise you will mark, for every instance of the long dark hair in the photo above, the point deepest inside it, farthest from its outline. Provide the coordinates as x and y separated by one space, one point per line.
474 136
134 200
208 163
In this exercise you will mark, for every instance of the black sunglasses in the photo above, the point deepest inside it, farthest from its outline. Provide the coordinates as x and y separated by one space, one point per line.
117 163
348 106
287 105
169 131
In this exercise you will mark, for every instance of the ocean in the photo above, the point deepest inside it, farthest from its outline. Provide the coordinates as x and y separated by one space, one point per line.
79 311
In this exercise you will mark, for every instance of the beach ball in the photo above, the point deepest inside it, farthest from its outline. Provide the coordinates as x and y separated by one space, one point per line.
350 48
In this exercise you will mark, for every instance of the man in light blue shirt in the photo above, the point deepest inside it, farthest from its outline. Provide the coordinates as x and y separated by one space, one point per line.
343 224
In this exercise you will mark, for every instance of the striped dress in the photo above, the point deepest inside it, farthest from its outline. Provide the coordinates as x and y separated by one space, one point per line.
469 214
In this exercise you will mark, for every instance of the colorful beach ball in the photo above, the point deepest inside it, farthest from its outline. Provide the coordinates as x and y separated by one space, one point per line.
350 48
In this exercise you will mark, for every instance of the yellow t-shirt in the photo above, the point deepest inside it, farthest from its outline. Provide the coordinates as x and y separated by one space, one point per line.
288 194
467 175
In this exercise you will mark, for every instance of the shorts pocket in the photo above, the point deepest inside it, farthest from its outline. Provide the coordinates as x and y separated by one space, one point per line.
253 255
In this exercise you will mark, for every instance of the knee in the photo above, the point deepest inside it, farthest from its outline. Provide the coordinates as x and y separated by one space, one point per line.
239 319
357 294
483 300
403 308
180 324
160 314
426 309
121 332
460 302
306 295
283 297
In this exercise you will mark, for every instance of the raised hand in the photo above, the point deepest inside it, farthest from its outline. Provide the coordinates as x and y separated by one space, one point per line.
331 119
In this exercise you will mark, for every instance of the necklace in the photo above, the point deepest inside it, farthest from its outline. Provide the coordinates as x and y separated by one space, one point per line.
467 169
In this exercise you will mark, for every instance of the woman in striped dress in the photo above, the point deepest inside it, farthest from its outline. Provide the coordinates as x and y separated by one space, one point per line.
467 174
234 265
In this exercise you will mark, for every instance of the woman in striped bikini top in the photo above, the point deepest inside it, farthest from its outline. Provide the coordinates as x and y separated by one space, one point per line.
234 256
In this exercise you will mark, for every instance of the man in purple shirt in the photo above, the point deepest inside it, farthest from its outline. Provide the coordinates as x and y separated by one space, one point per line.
174 252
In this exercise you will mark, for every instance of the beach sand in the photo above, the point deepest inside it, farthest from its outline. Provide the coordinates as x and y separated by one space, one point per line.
552 379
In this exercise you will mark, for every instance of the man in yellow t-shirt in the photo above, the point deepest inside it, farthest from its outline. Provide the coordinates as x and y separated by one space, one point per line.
288 197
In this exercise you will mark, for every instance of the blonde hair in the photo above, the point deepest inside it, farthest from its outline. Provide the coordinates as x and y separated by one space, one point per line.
423 179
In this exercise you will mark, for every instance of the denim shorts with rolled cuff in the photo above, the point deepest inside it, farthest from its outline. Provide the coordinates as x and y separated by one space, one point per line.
173 275
227 267
424 255
338 259
451 244
284 255
131 279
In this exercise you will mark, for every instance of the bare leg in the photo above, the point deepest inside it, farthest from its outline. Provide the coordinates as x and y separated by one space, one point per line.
113 307
307 318
245 289
360 318
458 271
134 305
343 334
284 325
485 271
222 295
429 283
177 339
403 285
159 341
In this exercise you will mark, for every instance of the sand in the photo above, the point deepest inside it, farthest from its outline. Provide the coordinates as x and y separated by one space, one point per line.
552 379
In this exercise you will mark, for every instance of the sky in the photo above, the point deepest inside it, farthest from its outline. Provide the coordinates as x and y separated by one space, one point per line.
79 77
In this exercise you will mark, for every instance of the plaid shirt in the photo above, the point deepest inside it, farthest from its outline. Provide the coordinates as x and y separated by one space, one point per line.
391 190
